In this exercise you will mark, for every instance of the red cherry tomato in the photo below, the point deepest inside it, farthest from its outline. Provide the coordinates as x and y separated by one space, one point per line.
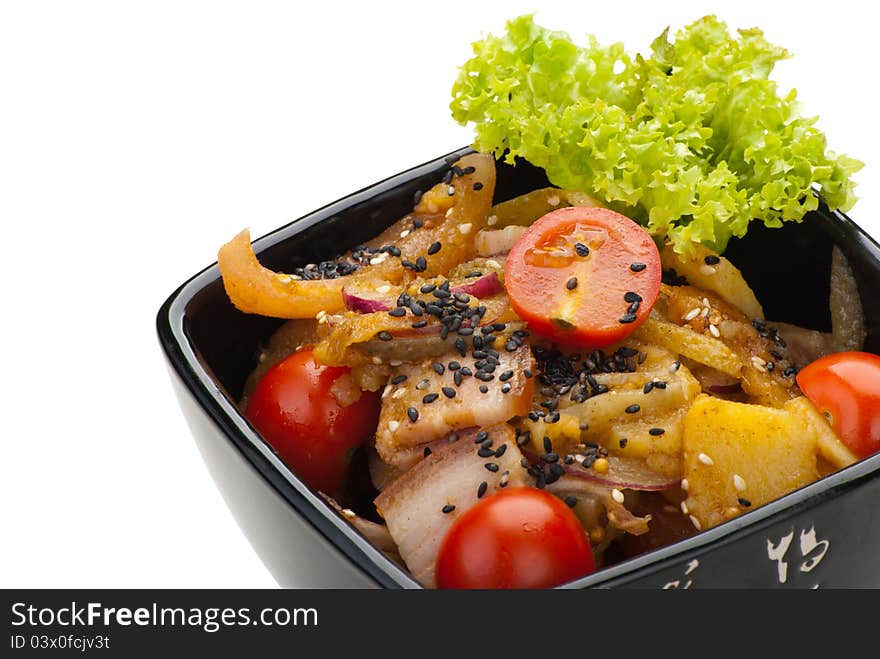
519 538
583 276
845 386
295 410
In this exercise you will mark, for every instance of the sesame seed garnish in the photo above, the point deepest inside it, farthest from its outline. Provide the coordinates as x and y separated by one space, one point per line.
448 508
631 296
397 312
491 466
501 450
656 432
632 409
393 425
757 362
404 233
394 362
570 501
492 220
465 228
739 483
673 367
705 459
684 507
617 495
427 399
744 502
707 270
424 383
649 386
413 414
505 477
690 315
685 484
623 441
484 389
426 452
548 445
713 330
449 392
637 267
434 248
481 490
581 249
478 186
481 437
450 190
627 318
696 523
572 283
384 336
485 452
711 260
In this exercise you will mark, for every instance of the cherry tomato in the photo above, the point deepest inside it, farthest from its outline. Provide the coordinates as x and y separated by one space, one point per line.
845 386
294 408
519 538
583 276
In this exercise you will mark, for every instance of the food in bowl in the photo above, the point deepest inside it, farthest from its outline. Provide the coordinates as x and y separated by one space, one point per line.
482 379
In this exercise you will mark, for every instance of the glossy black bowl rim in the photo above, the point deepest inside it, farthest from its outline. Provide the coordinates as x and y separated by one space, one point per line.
195 375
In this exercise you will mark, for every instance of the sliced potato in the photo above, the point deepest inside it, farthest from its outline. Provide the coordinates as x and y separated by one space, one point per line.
739 456
525 209
684 341
721 277
830 447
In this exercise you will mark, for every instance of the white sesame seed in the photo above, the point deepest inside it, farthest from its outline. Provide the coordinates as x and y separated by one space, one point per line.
553 201
706 302
377 360
284 279
262 357
690 315
684 507
378 259
422 384
707 270
757 362
579 458
685 484
714 331
404 233
492 263
311 266
449 212
348 512
504 478
696 523
387 390
617 495
383 289
393 425
451 190
705 312
492 220
395 362
739 483
321 315
400 393
465 228
705 459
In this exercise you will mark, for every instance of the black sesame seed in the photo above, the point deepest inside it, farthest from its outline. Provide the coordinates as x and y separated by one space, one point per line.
466 331
711 260
417 197
500 450
475 273
413 414
427 288
656 432
622 442
481 437
484 452
570 501
384 336
468 170
548 445
449 392
478 186
441 293
789 372
556 470
659 384
397 379
572 283
505 388
481 490
419 324
447 177
484 389
550 457
627 318
427 399
427 451
528 373
422 263
448 508
637 267
630 296
418 223
568 459
632 409
744 502
648 387
504 377
491 466
457 378
397 312
581 249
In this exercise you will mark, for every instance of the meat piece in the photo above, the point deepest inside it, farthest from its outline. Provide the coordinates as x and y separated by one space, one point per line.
448 479
407 420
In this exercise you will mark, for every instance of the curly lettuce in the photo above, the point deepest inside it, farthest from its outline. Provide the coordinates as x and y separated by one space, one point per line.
693 140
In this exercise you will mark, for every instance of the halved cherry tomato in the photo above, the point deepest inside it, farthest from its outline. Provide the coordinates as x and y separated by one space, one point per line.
519 538
294 408
583 276
845 386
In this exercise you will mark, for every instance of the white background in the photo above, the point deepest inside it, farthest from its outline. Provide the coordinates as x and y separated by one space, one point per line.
136 138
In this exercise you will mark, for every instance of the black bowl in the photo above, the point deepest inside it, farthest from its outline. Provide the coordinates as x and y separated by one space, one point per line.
825 534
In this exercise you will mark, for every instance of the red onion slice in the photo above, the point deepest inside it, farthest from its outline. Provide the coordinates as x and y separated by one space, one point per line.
625 474
357 299
481 287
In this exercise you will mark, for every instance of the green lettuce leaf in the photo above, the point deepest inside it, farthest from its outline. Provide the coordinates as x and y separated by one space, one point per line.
693 140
